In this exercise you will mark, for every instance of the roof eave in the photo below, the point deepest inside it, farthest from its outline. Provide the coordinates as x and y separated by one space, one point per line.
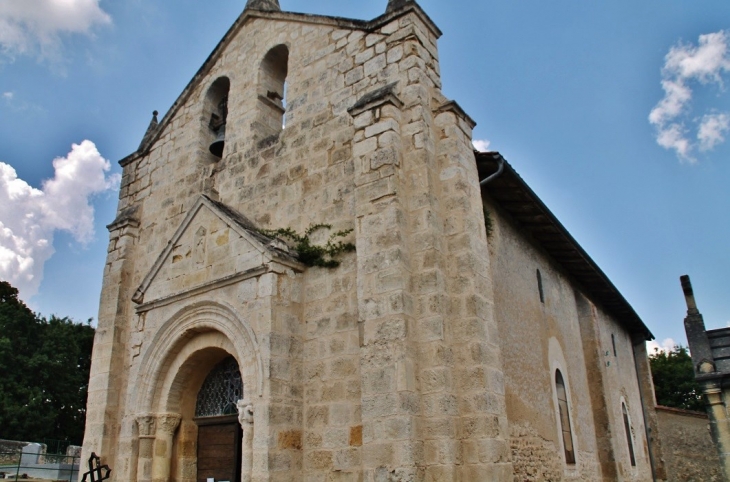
563 248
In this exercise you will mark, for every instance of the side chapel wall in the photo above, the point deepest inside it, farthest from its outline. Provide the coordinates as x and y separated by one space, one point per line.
531 334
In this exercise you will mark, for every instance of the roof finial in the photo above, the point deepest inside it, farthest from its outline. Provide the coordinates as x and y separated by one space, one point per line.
397 4
151 129
689 295
264 5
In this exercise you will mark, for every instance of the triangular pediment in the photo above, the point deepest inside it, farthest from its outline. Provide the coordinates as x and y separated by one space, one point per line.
214 242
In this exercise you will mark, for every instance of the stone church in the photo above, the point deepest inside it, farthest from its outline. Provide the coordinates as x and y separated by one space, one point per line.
466 337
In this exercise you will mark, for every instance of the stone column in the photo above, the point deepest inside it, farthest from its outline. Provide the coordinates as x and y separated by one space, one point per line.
719 423
388 356
648 399
245 418
167 424
107 379
147 427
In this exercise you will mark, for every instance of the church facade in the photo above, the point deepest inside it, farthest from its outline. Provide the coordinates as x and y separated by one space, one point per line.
458 332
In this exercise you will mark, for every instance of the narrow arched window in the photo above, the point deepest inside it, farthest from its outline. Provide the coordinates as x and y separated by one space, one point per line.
629 438
221 390
272 91
567 433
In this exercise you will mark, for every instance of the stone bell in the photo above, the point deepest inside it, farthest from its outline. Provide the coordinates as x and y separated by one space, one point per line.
216 148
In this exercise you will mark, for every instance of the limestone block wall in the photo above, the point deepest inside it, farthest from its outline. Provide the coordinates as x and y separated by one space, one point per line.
561 329
384 368
689 452
621 389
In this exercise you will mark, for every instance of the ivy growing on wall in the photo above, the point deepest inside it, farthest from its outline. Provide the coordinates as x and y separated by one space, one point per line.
312 254
488 222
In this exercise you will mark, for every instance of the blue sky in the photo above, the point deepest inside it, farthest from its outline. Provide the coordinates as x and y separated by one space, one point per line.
563 90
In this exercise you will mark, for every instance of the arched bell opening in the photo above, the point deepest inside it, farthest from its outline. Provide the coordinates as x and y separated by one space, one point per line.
215 117
272 92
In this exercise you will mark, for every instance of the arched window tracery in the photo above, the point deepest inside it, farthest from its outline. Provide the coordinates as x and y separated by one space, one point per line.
221 390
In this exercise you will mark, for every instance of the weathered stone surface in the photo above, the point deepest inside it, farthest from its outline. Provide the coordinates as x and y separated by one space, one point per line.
425 355
689 453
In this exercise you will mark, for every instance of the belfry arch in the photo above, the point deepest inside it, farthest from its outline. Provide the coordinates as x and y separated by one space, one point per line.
192 346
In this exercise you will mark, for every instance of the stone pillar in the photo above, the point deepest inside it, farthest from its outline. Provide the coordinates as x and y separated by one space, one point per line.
107 379
597 384
694 327
146 424
719 423
390 398
648 399
167 424
707 375
481 450
245 418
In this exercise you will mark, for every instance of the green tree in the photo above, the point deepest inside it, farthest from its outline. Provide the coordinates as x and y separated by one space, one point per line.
44 372
674 380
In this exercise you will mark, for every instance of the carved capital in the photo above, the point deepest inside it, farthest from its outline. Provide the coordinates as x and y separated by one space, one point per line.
245 413
167 423
147 426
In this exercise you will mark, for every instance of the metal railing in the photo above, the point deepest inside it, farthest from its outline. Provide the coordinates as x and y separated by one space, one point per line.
26 466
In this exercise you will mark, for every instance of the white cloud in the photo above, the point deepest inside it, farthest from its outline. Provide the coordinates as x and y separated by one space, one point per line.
684 65
8 96
27 26
667 345
673 137
712 130
29 216
481 145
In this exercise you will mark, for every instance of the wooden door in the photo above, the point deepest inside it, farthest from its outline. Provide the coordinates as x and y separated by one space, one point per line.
219 450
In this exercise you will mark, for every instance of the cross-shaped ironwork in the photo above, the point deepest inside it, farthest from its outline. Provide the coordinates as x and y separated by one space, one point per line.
95 469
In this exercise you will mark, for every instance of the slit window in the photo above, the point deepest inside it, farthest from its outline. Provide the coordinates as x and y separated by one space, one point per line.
613 343
539 287
629 438
566 431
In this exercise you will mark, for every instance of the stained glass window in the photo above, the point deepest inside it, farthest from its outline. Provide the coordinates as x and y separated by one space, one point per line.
221 390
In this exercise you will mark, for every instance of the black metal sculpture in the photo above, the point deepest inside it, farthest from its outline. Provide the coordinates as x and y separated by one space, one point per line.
95 469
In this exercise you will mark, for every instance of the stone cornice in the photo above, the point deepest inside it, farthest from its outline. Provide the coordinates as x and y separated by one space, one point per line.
375 99
219 283
453 106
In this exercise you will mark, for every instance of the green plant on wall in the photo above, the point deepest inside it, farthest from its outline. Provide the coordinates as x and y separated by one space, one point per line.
488 222
312 254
